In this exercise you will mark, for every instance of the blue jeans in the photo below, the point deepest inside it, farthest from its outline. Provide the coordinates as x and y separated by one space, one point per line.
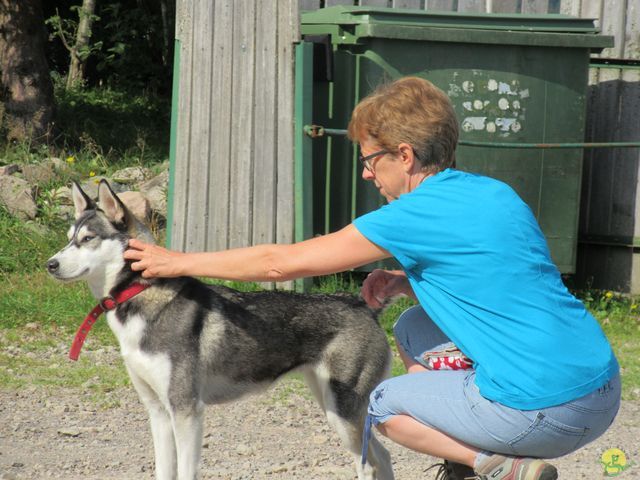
450 402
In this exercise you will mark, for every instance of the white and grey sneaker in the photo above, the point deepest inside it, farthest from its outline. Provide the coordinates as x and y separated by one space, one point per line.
500 467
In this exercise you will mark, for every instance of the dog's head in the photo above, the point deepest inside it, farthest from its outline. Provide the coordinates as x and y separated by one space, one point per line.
98 237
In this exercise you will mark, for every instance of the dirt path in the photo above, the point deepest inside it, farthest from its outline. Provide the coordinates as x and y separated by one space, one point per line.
277 435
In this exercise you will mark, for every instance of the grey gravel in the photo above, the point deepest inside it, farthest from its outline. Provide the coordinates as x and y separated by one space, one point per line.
280 434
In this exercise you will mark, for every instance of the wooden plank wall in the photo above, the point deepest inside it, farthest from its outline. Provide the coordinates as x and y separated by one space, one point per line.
233 175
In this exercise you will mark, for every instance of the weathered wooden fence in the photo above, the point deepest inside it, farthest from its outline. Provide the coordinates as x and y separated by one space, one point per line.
232 169
232 174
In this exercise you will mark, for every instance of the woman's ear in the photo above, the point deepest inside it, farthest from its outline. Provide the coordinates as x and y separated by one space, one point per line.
408 157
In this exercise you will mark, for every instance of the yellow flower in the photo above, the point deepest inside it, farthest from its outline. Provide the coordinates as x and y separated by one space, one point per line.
609 294
634 306
71 159
92 174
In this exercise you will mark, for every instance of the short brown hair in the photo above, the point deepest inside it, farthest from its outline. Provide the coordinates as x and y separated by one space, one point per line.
409 110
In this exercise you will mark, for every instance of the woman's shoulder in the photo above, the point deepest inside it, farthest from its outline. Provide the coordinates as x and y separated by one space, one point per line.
460 182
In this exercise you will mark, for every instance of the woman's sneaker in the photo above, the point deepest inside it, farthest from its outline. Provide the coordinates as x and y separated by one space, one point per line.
452 471
500 467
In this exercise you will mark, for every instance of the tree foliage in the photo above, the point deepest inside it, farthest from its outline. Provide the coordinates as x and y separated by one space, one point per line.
131 44
101 47
76 37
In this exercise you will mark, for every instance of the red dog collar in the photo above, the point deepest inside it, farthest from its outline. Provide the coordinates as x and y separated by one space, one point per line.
109 302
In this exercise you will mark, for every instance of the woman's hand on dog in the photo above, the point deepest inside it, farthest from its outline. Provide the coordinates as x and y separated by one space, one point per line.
382 284
153 260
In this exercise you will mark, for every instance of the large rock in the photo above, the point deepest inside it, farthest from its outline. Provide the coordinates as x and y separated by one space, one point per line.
90 186
155 189
38 173
131 175
17 196
58 164
137 204
61 196
9 169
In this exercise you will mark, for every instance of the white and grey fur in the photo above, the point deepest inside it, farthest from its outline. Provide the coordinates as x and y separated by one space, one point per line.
186 344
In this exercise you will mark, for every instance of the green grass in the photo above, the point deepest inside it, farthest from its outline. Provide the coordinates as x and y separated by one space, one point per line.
38 320
23 247
619 316
22 372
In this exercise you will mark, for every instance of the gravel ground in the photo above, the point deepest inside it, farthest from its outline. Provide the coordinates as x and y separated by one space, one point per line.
280 434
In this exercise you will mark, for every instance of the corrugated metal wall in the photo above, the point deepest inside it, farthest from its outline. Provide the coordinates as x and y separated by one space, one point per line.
233 167
610 207
608 256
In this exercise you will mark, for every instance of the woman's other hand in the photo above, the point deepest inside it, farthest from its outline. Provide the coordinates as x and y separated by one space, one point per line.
382 284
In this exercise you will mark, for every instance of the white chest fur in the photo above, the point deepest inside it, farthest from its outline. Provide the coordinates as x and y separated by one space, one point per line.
154 369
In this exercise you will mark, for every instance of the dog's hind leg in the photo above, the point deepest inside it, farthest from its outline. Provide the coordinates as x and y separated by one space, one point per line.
379 458
161 430
378 463
187 427
345 411
311 379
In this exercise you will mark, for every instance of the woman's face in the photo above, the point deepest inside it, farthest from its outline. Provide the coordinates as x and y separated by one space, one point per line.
386 171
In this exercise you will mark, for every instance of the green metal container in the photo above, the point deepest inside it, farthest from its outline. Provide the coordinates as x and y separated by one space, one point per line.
511 78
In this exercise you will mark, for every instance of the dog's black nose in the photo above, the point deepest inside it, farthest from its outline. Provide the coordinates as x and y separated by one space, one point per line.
53 265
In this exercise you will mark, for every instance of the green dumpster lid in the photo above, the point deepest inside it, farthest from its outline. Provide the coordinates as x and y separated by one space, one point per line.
354 23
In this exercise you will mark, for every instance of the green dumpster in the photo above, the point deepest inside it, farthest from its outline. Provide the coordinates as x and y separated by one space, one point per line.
512 79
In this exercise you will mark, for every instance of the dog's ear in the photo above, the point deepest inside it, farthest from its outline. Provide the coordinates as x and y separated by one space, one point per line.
81 200
119 214
110 204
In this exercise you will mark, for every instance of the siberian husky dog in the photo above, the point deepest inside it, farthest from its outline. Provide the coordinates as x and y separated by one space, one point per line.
186 344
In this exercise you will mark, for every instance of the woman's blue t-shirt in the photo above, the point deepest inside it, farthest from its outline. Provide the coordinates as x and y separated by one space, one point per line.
480 267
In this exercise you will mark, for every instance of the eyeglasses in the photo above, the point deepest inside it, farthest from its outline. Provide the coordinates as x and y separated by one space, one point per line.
366 161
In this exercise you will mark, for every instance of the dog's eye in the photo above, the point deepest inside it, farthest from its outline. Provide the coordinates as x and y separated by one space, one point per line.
88 238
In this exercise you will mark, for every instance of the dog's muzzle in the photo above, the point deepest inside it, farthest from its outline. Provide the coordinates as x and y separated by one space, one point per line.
53 265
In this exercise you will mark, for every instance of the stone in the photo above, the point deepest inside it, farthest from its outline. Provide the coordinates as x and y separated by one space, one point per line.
38 173
9 169
66 212
243 449
16 195
58 164
61 196
131 175
156 189
69 432
160 180
90 186
137 203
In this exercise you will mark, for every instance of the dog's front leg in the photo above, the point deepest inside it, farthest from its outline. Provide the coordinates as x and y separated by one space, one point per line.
187 428
163 443
161 429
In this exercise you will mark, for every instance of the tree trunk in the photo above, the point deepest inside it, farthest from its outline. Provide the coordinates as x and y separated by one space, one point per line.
83 37
164 15
26 89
